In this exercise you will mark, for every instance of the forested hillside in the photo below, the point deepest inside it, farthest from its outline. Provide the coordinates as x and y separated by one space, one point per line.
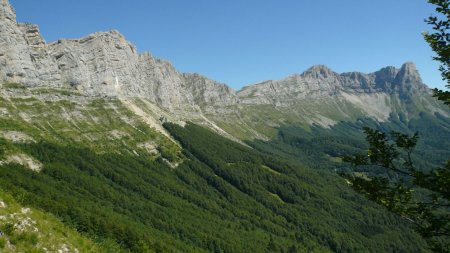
321 148
224 197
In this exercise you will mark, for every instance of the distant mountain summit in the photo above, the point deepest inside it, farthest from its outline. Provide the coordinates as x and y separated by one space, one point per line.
320 81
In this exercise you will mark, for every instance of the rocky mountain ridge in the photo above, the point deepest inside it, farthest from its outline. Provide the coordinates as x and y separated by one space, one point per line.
102 64
106 65
320 81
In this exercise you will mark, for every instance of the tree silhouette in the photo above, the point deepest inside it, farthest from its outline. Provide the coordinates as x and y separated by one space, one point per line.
422 198
439 41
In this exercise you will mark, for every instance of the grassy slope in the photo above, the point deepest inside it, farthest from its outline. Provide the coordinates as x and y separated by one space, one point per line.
265 120
31 230
58 116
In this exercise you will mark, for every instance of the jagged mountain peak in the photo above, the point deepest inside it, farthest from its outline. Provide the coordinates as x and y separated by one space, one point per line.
319 71
389 71
7 11
405 80
407 69
114 34
408 73
410 66
408 81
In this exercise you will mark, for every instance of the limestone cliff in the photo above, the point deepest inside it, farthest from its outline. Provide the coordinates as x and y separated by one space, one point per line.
102 64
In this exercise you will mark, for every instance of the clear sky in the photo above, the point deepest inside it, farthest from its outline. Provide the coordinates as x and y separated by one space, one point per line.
240 42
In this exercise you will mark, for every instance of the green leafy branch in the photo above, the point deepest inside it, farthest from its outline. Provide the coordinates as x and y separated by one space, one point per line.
439 42
422 198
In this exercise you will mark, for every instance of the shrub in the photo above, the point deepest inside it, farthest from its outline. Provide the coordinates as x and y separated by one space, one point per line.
2 242
24 237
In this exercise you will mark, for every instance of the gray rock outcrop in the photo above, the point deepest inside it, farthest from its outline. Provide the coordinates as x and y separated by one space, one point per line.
23 57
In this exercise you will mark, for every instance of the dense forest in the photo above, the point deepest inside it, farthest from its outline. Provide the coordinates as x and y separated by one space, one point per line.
224 197
321 148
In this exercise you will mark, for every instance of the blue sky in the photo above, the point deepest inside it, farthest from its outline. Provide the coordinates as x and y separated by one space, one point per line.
240 42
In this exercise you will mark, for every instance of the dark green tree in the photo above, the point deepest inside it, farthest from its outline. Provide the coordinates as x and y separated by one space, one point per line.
439 41
422 198
272 246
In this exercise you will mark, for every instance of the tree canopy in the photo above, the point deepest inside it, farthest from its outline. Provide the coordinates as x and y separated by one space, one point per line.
439 41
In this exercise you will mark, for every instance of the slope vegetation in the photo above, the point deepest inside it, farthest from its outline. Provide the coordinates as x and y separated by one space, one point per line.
26 229
223 197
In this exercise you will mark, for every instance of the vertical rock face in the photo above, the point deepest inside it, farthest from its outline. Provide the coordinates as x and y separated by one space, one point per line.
44 64
102 64
386 75
23 52
206 92
15 60
32 35
408 81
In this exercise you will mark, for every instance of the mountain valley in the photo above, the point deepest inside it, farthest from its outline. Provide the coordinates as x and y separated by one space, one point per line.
124 153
